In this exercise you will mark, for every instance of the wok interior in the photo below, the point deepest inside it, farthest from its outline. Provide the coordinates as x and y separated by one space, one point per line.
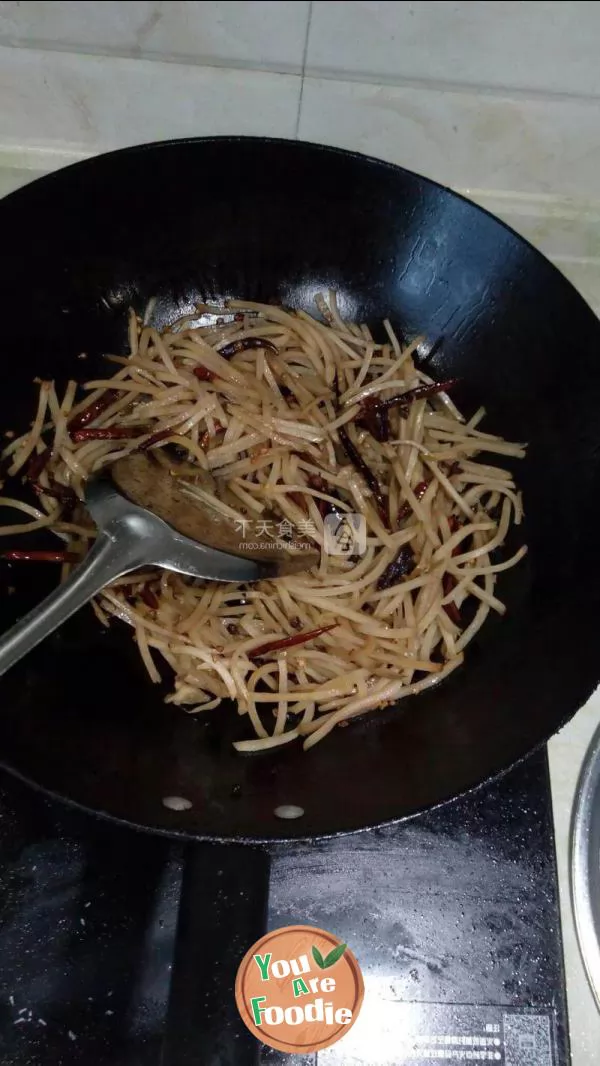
281 221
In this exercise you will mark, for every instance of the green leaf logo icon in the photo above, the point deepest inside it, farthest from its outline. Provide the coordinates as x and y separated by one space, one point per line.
329 960
316 954
334 955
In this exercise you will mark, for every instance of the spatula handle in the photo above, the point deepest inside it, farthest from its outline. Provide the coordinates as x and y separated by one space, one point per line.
104 562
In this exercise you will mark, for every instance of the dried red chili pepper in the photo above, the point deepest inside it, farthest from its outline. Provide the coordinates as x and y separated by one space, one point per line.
95 408
317 482
155 439
245 345
149 597
203 373
383 426
359 464
41 556
422 392
37 463
324 507
401 566
375 419
108 433
419 491
290 642
300 500
206 437
56 492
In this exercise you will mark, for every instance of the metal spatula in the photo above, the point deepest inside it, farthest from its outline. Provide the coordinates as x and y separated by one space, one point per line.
146 516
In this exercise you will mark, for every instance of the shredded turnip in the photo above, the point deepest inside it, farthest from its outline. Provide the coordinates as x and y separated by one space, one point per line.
280 409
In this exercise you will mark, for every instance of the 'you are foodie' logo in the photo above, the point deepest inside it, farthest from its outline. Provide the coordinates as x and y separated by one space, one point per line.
299 989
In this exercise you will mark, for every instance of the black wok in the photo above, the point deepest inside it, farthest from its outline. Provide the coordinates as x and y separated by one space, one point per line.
276 220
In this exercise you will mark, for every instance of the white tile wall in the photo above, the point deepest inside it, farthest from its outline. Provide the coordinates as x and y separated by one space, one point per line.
540 46
85 103
500 99
265 35
502 96
463 138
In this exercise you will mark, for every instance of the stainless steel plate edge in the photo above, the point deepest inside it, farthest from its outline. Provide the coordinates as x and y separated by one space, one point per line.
585 863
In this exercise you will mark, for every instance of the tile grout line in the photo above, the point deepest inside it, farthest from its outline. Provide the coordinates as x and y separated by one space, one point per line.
303 74
85 51
441 85
346 77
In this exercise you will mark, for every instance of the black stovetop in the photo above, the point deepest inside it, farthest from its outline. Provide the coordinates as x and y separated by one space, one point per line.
453 917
